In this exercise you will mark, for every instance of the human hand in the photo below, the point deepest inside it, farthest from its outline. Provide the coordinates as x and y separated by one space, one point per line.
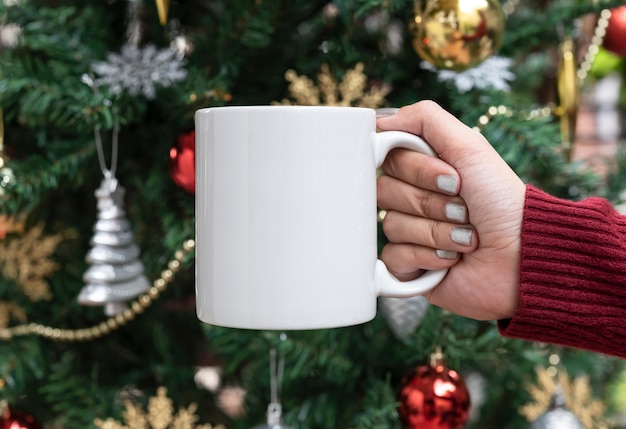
484 284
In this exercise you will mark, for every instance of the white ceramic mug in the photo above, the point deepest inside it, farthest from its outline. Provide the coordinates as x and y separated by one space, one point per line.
286 234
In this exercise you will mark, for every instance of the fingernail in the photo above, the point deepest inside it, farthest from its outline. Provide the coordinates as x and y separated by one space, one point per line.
446 254
456 212
461 236
386 111
447 183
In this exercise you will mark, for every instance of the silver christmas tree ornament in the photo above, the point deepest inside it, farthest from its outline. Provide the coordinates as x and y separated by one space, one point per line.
115 274
403 314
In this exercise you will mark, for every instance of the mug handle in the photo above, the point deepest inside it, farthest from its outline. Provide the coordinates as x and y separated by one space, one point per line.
386 283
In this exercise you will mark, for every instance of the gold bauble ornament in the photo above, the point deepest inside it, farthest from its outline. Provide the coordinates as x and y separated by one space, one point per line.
457 34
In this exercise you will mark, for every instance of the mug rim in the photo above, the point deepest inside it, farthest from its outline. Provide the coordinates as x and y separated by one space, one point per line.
283 107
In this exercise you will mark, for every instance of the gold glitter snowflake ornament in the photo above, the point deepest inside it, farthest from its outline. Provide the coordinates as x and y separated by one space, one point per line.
351 91
27 260
577 394
159 415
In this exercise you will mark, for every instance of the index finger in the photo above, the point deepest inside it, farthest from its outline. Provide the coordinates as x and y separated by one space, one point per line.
449 137
422 171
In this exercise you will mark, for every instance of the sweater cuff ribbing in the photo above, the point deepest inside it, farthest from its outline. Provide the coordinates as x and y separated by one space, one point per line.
572 274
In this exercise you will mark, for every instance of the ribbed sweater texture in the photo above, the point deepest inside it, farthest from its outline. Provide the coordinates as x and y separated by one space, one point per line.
572 275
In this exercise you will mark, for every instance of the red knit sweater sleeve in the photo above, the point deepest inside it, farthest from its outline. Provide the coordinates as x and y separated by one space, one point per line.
573 275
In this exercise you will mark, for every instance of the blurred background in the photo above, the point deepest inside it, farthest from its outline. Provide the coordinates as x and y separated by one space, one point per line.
97 183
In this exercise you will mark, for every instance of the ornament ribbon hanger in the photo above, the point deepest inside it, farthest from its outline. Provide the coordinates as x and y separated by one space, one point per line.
108 173
274 409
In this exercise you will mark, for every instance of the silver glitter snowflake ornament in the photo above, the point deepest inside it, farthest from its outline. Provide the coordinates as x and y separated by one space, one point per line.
138 70
492 73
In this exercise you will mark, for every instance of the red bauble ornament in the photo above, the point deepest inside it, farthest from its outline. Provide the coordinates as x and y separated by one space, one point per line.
434 397
615 37
11 419
183 161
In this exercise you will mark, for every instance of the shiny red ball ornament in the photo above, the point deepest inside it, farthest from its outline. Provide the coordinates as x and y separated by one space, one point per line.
183 161
11 419
615 37
433 397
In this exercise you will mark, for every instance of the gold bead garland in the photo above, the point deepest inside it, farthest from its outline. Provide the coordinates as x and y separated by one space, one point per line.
596 41
112 323
500 110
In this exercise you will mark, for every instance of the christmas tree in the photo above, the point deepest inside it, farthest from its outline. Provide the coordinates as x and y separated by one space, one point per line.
97 312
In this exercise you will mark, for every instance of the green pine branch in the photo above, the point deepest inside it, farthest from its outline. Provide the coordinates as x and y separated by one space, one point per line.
33 178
